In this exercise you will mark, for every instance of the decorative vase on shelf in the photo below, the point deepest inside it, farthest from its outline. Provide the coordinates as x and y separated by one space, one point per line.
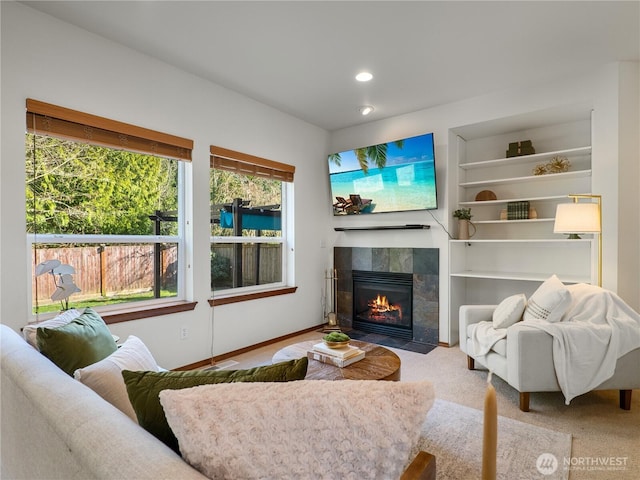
463 229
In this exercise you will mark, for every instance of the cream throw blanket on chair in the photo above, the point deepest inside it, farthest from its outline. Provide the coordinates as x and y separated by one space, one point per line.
597 329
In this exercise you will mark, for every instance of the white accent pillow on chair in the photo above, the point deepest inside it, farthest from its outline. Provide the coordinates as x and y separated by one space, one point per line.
548 302
509 311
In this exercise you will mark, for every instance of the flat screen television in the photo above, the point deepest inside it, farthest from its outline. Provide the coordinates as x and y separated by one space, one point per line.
397 176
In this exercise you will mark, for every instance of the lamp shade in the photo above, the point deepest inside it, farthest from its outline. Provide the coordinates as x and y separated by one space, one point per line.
577 218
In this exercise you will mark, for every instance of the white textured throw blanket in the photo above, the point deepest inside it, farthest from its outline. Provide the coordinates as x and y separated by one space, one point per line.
483 337
596 330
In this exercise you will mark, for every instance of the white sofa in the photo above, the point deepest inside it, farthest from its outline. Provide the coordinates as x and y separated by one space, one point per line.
54 427
524 359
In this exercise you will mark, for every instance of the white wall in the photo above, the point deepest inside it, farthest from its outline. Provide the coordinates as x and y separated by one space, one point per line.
615 166
48 60
629 178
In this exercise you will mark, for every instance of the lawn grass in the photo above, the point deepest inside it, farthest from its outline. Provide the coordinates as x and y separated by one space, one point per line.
102 301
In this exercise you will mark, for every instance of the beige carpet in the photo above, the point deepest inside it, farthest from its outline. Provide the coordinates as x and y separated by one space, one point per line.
453 433
601 431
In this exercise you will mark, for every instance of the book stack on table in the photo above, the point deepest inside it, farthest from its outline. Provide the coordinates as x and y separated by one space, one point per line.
340 357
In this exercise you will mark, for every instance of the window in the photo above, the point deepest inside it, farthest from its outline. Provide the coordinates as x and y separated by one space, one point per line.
250 225
105 198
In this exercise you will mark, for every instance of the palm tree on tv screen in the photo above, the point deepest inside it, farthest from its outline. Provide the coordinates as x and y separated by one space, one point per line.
375 154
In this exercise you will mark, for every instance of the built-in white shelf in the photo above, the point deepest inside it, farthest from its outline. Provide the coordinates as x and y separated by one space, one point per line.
528 277
528 179
504 222
569 242
526 158
504 201
505 257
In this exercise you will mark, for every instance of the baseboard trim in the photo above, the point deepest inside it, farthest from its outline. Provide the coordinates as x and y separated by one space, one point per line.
218 358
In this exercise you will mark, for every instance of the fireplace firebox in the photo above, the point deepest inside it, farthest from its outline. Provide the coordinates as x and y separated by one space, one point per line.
382 303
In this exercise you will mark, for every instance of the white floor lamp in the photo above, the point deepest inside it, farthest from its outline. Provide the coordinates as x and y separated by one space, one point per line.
574 218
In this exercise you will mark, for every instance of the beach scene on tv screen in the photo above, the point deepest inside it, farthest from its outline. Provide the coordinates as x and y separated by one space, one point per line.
391 177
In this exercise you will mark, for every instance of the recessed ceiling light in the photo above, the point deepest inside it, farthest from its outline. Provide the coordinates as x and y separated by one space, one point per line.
366 109
364 77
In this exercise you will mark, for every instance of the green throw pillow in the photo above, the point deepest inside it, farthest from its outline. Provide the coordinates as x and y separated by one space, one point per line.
144 389
81 342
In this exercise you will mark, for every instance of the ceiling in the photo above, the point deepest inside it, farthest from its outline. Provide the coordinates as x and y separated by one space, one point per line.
301 56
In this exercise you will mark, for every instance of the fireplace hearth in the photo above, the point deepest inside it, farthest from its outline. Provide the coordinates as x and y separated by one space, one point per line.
382 303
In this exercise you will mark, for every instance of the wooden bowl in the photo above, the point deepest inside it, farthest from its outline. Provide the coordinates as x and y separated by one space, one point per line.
336 344
485 195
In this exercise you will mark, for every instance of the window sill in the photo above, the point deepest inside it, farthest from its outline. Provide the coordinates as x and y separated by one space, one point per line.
215 302
133 313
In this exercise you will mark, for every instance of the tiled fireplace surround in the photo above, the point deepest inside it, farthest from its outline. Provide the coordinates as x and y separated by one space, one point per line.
422 263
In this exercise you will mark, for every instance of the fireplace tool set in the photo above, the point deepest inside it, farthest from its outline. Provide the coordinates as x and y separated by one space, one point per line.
331 277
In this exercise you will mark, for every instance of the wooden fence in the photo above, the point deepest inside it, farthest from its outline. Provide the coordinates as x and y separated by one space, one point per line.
105 271
124 269
268 267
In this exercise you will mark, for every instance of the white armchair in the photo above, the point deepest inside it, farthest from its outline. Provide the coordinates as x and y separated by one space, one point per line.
524 359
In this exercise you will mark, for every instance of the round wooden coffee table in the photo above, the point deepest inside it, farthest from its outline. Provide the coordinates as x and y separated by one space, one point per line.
379 363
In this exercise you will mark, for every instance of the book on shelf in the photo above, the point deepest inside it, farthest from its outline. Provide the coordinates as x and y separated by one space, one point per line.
335 361
342 352
518 210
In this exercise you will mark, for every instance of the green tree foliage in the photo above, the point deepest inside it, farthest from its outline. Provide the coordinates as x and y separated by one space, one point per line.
74 188
226 186
220 272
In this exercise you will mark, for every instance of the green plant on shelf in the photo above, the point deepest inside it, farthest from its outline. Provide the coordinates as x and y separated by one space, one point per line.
463 214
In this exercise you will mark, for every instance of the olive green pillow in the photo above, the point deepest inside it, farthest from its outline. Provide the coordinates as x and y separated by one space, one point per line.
81 342
144 389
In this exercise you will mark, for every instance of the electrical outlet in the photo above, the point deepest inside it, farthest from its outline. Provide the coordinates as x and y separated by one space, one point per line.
184 333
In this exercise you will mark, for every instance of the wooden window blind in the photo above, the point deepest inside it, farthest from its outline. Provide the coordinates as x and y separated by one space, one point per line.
45 118
245 164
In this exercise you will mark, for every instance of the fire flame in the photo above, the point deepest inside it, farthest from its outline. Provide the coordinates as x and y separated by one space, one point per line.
381 305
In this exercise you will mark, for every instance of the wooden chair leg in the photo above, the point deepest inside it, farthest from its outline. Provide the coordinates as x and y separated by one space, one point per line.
471 364
625 399
524 401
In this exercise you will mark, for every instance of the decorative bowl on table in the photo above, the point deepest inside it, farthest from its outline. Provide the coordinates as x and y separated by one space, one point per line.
336 340
336 344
